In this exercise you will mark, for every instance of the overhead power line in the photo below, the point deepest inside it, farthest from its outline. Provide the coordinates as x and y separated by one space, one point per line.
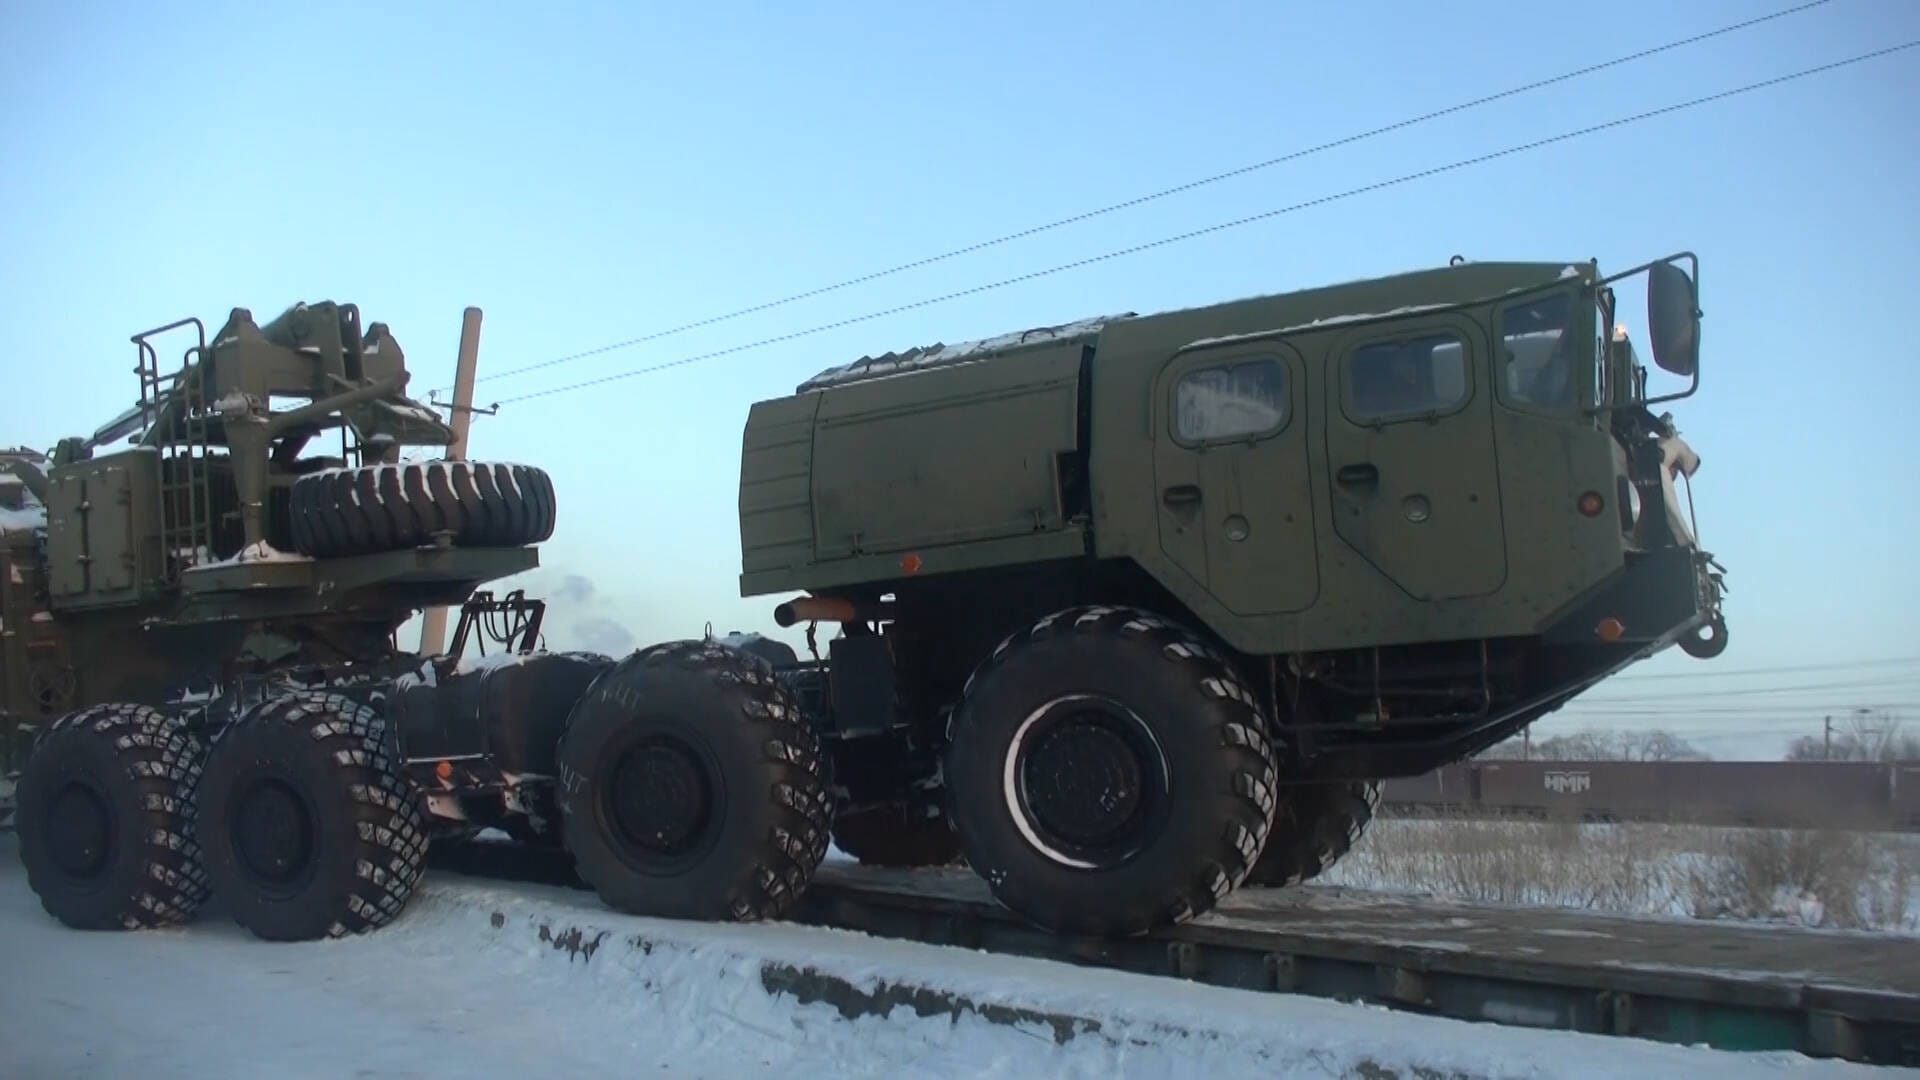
1140 200
1222 226
1795 669
1715 693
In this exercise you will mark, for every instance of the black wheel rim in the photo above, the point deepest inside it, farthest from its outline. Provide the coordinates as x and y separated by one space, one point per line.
659 799
1087 782
272 829
79 832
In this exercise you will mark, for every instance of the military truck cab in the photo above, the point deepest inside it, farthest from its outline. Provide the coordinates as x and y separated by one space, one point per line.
1280 548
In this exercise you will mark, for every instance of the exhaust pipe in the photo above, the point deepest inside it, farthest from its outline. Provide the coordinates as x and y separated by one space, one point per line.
809 609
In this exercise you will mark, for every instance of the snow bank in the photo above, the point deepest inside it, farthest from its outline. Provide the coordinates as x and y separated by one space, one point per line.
871 1006
491 980
1845 880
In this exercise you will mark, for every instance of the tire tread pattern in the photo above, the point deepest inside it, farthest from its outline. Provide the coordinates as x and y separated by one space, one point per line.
787 857
1240 726
379 508
163 760
388 830
1317 826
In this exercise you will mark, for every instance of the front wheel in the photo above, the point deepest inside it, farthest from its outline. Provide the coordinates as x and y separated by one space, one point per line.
691 787
1109 773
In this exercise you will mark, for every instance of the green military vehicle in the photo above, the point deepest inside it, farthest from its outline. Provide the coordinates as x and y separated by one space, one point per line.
1130 611
200 690
1134 610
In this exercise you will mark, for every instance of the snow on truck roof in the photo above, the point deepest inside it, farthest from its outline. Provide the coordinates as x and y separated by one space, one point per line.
923 357
938 355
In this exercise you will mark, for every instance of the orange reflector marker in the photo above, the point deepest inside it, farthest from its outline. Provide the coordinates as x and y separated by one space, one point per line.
910 563
444 770
1610 629
1591 504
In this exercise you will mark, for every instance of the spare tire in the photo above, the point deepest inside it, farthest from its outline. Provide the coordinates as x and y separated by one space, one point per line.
393 507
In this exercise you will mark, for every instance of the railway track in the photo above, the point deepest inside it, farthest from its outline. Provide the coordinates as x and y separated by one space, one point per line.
1733 987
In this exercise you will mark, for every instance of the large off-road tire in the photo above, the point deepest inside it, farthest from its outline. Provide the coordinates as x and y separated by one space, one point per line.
310 831
891 835
1109 773
1316 824
691 786
392 507
104 810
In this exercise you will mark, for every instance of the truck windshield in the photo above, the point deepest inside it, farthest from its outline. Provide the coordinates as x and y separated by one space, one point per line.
1537 354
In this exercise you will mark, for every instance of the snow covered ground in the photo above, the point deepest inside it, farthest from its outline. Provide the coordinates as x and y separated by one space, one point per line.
479 979
1847 880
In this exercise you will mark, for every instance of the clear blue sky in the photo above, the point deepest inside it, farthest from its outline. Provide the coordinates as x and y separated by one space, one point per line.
588 173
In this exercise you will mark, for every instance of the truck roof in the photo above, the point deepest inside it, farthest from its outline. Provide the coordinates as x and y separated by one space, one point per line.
1320 305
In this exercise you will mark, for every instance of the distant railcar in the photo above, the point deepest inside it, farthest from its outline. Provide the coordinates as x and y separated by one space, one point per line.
1820 794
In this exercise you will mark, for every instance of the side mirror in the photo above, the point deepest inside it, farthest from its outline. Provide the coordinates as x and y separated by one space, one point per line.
1673 319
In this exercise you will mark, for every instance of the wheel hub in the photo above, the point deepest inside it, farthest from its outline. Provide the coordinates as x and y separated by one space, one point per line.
1087 782
274 834
1083 781
79 831
661 798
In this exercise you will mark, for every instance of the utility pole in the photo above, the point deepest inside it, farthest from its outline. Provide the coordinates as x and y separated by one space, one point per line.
1826 753
433 625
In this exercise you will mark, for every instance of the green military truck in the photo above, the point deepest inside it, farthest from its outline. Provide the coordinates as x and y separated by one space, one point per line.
201 693
1136 609
1128 612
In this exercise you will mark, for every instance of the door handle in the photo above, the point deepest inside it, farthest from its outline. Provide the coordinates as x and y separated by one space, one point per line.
1181 495
1361 475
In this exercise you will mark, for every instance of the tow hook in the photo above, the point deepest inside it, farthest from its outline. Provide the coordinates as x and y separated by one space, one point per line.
1707 640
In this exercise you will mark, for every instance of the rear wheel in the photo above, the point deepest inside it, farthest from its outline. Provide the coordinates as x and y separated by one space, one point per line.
691 786
1316 825
310 830
104 810
1108 773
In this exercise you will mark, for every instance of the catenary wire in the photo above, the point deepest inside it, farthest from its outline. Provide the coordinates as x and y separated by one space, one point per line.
1141 200
1795 669
1221 226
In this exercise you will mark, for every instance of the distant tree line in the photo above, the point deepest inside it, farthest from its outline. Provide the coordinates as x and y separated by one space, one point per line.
1863 735
1599 746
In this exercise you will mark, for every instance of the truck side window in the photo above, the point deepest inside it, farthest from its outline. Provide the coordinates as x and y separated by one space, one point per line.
1415 376
1233 402
1537 353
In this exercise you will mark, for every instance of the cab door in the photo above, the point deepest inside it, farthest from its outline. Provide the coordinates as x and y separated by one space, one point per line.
1232 475
1410 449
